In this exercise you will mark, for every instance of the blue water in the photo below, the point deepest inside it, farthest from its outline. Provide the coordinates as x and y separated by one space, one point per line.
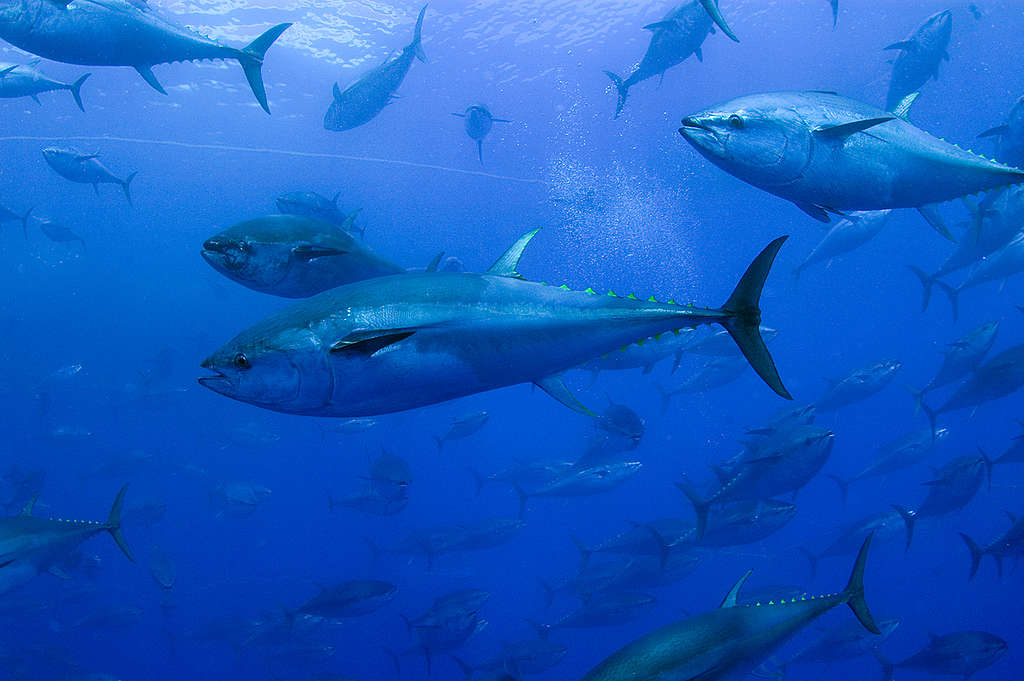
623 204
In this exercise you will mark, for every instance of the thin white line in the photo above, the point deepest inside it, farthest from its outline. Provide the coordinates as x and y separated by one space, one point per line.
282 152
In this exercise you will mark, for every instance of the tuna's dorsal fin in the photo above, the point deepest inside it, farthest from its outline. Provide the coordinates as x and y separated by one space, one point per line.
435 262
147 75
908 45
554 386
370 342
734 592
27 509
841 131
902 109
999 130
711 7
507 264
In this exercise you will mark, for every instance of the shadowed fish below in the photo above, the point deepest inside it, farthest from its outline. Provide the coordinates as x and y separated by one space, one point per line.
828 154
603 610
673 39
364 99
25 80
479 121
850 233
1010 136
72 164
897 455
962 653
859 385
961 357
523 657
293 256
30 546
313 205
122 33
731 641
399 342
919 57
840 643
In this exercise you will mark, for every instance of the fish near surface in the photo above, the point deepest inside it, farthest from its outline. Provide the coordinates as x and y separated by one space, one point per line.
479 121
76 166
25 80
962 653
122 33
292 256
731 641
30 546
405 341
828 153
673 39
364 99
919 57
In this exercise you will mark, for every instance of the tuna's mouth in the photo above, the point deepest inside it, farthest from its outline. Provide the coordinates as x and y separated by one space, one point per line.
227 255
218 382
692 125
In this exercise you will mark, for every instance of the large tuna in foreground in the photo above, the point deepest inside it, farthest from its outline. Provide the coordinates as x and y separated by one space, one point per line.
828 154
405 341
122 33
730 642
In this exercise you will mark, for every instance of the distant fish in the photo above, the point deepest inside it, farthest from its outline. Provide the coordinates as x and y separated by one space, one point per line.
581 482
852 232
646 354
1009 136
998 377
7 215
462 427
963 653
25 80
1010 544
954 486
719 344
732 641
919 57
478 123
313 205
829 154
858 385
961 357
1008 261
678 35
72 164
364 99
57 232
909 450
123 33
523 657
346 600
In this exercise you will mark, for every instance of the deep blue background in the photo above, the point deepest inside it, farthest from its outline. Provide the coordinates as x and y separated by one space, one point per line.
659 220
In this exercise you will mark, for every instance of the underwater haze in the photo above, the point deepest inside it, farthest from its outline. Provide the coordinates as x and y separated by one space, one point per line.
405 465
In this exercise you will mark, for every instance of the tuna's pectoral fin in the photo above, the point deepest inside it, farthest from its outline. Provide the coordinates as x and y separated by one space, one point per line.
841 131
508 263
711 7
662 26
819 213
908 45
312 252
147 75
734 592
931 215
435 262
997 131
368 343
554 386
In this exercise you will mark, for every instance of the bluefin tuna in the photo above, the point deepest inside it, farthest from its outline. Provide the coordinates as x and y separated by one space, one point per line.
961 357
399 342
364 99
312 205
346 600
904 452
25 80
1010 544
998 377
479 121
462 427
76 166
850 233
999 266
962 653
884 526
57 232
30 546
954 486
919 57
7 215
122 33
584 481
829 154
1010 136
860 384
673 39
645 355
292 256
729 642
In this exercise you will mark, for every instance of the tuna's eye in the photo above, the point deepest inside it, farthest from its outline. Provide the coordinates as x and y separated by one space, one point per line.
735 122
241 361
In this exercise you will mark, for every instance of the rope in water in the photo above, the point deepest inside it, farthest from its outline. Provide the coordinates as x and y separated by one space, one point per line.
267 150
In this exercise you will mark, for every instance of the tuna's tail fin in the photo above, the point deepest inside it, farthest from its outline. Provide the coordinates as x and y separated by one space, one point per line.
844 486
711 7
585 552
480 151
909 518
439 441
887 666
76 90
622 89
954 297
251 59
415 45
854 591
700 507
930 413
114 524
918 398
24 221
812 560
976 554
926 283
126 184
743 318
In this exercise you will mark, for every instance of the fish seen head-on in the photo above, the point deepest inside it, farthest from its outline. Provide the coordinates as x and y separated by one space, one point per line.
756 138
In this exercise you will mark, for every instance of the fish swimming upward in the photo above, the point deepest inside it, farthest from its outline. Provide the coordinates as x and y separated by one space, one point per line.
122 33
399 342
